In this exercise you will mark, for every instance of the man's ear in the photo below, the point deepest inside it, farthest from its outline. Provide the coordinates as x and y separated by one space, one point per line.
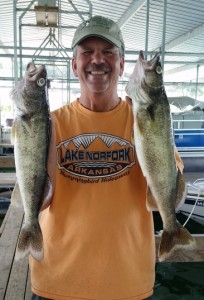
74 67
122 63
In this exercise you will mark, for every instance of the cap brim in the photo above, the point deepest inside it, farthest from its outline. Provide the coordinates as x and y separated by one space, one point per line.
106 37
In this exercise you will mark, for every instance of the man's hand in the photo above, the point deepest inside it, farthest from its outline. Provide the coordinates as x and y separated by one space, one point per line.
128 100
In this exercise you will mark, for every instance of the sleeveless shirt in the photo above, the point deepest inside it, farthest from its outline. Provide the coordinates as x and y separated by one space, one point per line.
98 235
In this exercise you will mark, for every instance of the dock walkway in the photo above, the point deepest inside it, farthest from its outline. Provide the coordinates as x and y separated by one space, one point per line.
7 179
14 275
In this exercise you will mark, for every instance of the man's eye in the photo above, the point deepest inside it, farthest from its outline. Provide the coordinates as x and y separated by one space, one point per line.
87 52
108 52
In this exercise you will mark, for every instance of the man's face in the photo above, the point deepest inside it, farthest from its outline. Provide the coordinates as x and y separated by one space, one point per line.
98 65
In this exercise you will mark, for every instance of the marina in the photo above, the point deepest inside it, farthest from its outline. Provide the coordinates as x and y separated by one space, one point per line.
39 44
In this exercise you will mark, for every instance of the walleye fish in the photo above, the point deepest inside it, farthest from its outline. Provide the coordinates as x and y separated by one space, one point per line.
154 142
31 133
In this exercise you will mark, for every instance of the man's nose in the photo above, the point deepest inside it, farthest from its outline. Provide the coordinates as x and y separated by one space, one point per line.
97 57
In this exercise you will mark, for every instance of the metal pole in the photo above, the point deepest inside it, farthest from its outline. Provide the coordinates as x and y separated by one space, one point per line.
20 36
163 34
15 59
197 75
68 81
147 30
90 7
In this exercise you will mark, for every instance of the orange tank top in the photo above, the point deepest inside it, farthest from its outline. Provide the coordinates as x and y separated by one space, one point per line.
98 235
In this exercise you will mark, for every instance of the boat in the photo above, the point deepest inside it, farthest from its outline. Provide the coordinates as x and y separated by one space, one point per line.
190 145
193 206
188 125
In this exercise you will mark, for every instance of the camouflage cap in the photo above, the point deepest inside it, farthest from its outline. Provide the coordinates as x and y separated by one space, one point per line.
101 27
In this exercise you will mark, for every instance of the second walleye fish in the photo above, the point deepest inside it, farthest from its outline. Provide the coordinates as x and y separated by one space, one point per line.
153 135
31 134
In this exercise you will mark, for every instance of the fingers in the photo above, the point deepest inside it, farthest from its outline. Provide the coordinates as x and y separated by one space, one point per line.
128 100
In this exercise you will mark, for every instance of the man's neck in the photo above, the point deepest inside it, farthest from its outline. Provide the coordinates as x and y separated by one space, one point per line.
99 102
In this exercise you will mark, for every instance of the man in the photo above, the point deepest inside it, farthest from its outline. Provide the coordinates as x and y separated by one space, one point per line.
98 235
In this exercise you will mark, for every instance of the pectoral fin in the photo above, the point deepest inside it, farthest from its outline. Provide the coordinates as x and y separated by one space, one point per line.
150 201
139 123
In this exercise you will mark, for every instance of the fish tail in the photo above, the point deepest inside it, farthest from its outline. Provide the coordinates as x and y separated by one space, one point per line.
177 239
30 241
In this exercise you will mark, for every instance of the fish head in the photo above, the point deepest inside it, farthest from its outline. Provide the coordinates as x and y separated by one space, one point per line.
152 73
147 76
31 92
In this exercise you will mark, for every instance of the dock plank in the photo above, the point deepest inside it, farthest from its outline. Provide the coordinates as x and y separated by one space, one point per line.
28 288
7 162
16 288
8 243
4 223
7 180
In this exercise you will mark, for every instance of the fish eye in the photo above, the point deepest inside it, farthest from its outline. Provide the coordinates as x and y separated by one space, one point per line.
41 82
159 70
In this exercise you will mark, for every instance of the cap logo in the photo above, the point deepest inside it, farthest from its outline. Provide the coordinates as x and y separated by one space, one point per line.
97 22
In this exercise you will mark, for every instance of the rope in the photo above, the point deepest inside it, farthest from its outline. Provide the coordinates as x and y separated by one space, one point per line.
199 192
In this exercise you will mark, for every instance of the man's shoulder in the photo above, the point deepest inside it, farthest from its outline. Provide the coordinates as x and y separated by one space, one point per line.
63 109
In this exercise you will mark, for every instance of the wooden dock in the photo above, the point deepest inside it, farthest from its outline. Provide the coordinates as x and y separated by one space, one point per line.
7 162
14 275
7 179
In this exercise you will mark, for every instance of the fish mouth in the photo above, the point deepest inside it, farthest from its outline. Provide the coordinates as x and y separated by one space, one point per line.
37 75
152 64
151 75
32 69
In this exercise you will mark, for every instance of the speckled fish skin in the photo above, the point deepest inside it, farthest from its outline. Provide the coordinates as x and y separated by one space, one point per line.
30 135
153 136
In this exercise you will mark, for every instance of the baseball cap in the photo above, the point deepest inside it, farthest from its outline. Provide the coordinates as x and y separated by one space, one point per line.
101 27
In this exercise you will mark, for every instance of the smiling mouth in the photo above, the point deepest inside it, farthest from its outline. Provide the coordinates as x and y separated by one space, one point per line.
98 72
